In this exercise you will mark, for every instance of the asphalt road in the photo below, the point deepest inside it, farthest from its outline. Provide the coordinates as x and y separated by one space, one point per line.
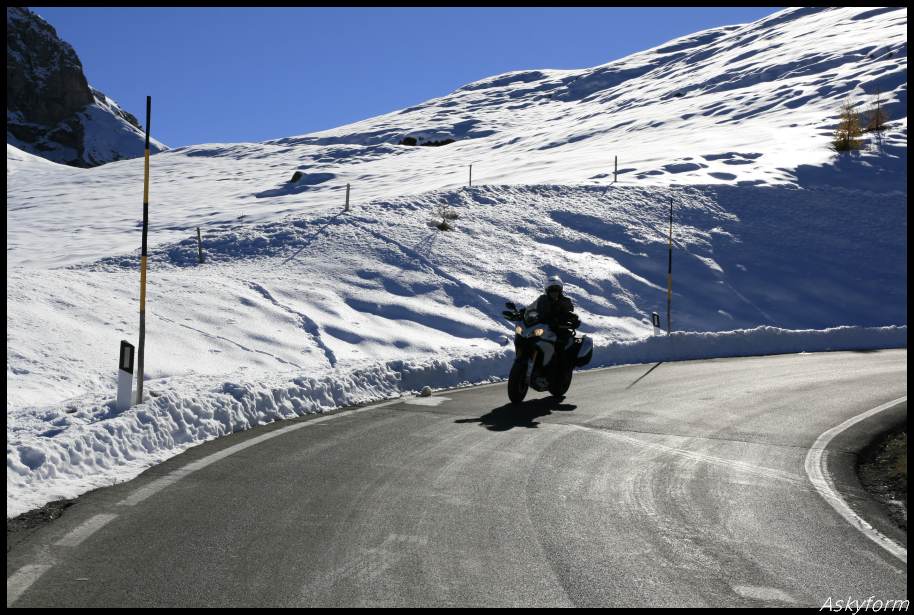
676 484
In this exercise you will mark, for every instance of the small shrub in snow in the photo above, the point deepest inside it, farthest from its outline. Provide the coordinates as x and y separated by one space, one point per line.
847 135
877 117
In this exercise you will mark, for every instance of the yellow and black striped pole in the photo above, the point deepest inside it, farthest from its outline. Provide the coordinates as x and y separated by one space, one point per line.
669 276
142 344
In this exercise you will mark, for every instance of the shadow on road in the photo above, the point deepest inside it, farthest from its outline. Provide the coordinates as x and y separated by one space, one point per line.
524 414
643 375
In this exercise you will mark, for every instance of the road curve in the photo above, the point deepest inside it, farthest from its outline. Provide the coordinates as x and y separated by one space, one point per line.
675 484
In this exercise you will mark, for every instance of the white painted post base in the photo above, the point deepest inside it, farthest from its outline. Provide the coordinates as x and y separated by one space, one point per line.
655 320
124 390
125 397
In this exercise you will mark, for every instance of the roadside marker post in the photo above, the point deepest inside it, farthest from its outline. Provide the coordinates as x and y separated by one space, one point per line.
125 377
669 277
142 344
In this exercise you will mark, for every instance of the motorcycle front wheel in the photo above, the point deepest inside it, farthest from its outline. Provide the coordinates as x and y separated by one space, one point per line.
517 382
558 389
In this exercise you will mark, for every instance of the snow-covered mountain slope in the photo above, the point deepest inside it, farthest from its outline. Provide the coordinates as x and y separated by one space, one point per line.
51 111
731 125
381 282
758 103
758 106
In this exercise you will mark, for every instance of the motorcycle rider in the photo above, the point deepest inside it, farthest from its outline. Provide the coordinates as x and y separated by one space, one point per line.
556 310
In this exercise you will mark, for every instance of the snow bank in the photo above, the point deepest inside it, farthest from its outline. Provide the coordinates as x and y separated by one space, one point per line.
62 454
684 346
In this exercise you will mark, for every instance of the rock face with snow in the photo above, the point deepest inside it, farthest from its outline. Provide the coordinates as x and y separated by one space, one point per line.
51 110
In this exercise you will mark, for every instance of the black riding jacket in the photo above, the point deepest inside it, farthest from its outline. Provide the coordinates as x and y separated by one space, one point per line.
557 314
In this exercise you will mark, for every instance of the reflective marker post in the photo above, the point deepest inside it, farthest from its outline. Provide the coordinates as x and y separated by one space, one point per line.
142 345
655 320
125 377
669 276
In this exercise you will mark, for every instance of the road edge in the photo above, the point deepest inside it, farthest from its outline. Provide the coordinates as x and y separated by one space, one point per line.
831 467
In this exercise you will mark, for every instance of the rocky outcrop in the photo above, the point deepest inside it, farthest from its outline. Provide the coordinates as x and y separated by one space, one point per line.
51 110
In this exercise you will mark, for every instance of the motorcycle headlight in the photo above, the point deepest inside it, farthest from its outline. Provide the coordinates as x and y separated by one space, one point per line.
518 329
538 332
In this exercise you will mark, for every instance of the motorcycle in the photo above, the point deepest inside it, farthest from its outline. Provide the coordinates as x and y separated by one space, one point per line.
538 363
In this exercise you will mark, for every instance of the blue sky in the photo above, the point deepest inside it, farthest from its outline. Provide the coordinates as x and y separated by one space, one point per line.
243 74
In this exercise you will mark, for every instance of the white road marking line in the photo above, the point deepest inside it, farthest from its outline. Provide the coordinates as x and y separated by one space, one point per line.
77 536
427 401
767 594
815 469
22 579
415 539
154 487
